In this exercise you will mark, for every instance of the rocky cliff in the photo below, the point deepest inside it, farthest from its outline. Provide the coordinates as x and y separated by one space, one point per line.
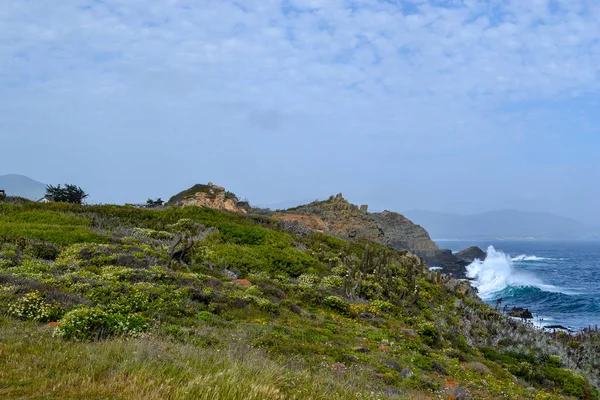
211 196
338 217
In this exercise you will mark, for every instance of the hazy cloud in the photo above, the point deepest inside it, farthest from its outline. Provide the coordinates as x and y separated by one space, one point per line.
411 97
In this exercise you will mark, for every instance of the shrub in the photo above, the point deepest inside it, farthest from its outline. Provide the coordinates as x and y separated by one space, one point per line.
85 324
42 250
33 307
429 334
383 306
93 324
336 303
308 280
332 282
424 363
153 234
340 271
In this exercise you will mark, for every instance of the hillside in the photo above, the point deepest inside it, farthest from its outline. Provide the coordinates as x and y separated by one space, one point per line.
22 186
119 302
502 224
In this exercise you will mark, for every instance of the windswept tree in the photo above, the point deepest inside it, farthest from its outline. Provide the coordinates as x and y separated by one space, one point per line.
154 203
69 194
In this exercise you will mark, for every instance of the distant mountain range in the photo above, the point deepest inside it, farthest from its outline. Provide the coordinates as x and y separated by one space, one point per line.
504 224
22 186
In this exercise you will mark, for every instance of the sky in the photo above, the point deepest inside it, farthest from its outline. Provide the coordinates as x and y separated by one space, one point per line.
446 105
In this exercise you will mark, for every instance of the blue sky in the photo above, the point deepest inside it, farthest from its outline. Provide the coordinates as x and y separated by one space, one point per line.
460 106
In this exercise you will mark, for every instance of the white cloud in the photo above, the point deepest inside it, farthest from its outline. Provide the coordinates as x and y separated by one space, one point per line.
429 77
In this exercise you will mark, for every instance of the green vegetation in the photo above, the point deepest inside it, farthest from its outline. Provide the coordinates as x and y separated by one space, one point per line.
119 302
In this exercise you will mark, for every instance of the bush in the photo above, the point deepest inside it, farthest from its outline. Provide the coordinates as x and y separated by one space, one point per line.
42 250
332 282
383 306
336 303
340 271
33 307
94 324
308 280
429 334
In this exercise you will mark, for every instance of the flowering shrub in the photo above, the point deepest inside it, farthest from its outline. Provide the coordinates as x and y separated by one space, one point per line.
382 305
32 307
340 271
93 323
332 282
152 234
336 303
308 280
262 304
356 309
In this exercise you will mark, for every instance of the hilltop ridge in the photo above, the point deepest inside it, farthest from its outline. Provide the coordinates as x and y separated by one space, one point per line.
338 217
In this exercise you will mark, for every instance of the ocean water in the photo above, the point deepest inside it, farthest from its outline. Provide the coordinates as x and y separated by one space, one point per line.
559 282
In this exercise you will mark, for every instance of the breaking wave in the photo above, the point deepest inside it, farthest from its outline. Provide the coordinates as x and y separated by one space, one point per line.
525 257
498 273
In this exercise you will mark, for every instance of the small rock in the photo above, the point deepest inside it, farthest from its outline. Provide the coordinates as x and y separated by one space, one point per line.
460 393
408 332
392 392
229 274
406 373
393 365
360 349
437 367
339 367
379 375
351 358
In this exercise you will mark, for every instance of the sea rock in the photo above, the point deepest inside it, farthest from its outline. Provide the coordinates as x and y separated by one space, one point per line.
518 312
471 254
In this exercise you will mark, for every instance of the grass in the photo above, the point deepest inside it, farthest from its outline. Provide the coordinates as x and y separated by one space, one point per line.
34 365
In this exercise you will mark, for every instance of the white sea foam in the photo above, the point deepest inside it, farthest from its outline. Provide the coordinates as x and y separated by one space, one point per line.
525 257
498 272
435 268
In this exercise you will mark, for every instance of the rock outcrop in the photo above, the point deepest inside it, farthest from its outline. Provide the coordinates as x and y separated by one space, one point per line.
338 217
211 196
471 254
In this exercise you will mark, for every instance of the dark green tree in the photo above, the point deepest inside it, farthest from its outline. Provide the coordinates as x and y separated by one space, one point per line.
69 194
154 203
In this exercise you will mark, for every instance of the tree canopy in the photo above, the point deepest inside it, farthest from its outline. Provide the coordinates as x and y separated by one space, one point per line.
69 194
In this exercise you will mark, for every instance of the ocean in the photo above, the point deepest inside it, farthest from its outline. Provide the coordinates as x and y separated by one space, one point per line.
558 281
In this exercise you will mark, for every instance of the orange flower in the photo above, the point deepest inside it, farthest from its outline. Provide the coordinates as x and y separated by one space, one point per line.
383 348
242 282
53 324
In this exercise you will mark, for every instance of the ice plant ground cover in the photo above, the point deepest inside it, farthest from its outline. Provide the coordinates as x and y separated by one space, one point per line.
118 302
